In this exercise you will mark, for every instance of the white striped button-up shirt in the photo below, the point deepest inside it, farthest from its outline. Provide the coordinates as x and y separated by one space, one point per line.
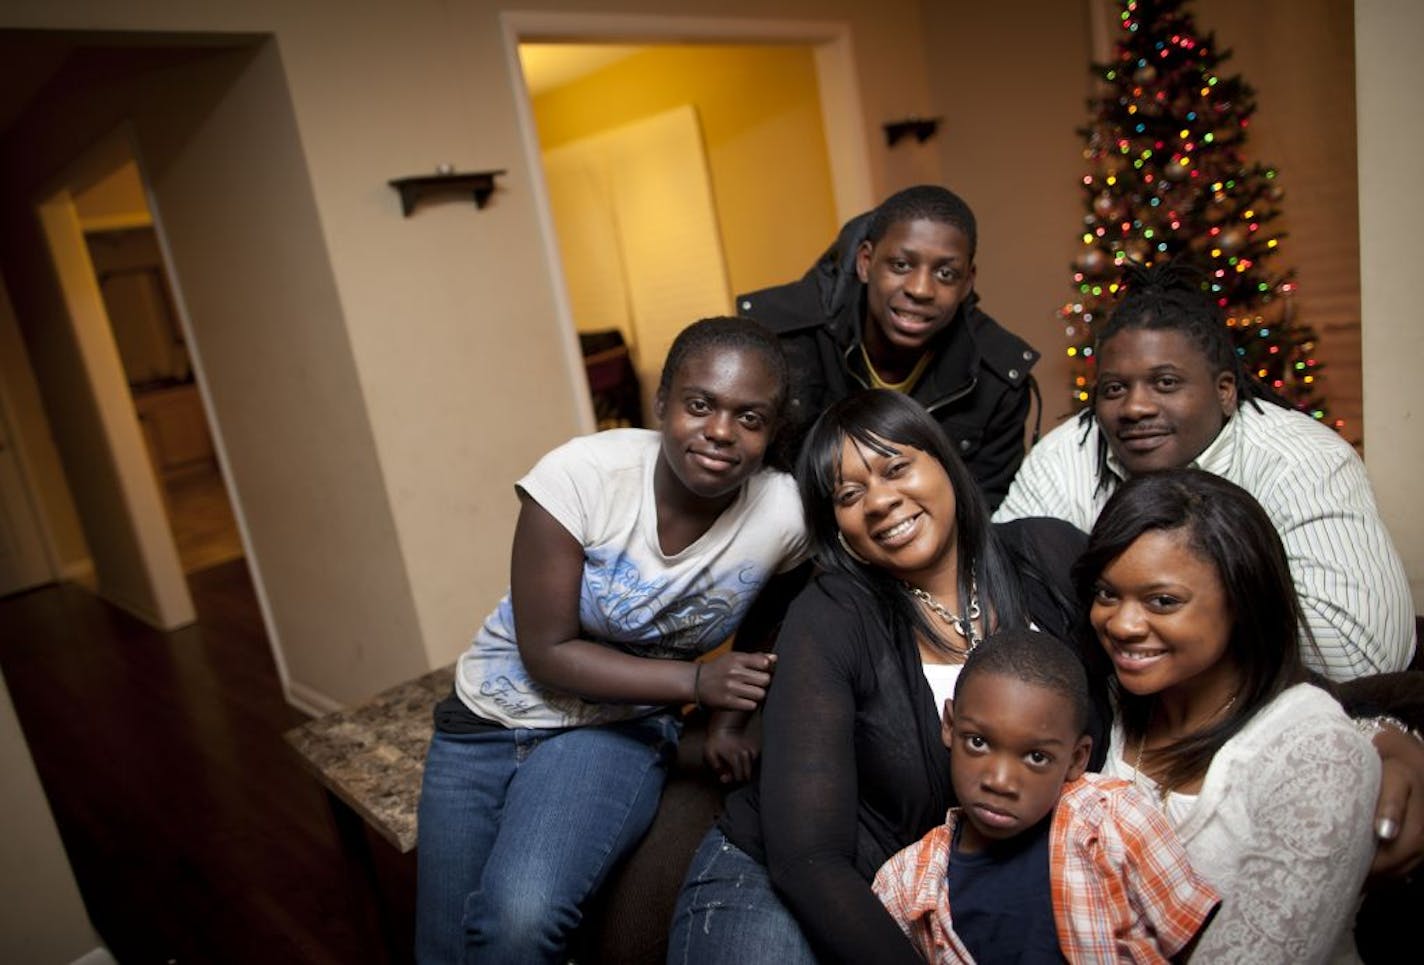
1313 486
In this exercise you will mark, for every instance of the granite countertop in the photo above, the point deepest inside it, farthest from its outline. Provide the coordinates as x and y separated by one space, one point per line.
372 756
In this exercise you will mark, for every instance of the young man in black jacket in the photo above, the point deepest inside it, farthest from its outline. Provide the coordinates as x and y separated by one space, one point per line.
891 304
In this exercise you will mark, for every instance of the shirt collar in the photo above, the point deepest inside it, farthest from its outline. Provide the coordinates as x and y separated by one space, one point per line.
1216 458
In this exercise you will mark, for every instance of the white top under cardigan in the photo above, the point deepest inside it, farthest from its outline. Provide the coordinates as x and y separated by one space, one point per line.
1282 828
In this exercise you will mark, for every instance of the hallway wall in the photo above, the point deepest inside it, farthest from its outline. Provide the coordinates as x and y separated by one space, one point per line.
374 461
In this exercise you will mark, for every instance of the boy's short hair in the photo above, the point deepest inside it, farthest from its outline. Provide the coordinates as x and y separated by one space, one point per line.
1035 658
924 202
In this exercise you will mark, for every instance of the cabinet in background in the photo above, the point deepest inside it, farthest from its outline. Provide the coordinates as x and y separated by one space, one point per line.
174 428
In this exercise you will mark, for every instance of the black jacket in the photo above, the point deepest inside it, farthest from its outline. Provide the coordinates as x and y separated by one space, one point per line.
853 767
977 385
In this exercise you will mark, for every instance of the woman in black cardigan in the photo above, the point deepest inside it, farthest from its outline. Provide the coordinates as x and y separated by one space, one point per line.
912 576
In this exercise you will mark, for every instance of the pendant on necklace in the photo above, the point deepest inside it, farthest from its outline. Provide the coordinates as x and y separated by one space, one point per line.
962 625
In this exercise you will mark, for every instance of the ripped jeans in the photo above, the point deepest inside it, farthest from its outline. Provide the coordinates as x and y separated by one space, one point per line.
728 914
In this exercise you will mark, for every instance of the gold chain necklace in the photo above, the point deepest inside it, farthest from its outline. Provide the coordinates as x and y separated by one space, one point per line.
962 625
1165 790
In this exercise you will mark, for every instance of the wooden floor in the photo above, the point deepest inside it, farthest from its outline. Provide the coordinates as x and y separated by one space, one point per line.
194 833
200 513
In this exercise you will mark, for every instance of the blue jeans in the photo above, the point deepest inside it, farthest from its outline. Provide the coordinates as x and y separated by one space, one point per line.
727 913
518 827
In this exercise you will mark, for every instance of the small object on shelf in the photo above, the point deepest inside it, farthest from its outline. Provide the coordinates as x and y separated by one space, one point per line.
923 128
445 181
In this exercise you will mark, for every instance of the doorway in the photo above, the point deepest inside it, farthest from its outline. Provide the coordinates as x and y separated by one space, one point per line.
142 308
677 173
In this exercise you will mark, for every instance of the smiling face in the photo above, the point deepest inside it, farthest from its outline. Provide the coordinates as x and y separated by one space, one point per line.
915 277
897 512
716 418
1158 399
1013 745
1161 613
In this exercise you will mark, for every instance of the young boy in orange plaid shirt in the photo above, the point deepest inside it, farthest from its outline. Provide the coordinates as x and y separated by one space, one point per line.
1040 862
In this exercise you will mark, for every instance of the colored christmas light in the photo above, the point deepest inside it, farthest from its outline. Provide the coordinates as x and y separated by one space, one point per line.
1165 179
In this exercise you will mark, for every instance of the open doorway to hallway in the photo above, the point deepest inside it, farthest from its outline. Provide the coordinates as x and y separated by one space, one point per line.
679 167
138 298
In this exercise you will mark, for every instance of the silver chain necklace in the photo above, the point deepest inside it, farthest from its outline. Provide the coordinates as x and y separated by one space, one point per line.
962 625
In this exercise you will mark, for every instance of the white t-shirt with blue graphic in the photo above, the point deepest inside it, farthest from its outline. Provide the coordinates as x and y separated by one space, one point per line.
634 596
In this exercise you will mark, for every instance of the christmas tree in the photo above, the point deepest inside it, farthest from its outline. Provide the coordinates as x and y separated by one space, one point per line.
1168 179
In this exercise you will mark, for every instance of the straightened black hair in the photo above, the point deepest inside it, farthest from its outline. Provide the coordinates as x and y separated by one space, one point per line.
884 422
1226 527
924 202
742 335
1034 658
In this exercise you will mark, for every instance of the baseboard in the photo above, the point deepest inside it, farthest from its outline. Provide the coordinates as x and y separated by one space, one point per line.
99 956
310 701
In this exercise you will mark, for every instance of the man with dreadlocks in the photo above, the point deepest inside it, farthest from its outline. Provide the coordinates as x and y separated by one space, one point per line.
1170 392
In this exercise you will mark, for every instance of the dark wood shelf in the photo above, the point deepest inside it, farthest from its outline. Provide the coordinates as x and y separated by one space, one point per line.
480 184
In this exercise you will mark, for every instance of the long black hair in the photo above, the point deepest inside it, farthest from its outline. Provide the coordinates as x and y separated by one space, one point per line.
1225 527
747 335
884 421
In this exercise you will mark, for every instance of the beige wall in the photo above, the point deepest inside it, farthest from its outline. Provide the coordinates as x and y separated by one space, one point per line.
218 139
380 381
1013 94
1011 91
69 555
42 917
1388 36
1299 55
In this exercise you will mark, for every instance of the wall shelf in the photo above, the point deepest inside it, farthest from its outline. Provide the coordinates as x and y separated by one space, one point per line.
480 184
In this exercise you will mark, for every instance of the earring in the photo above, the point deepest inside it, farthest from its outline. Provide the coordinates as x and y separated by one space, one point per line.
850 552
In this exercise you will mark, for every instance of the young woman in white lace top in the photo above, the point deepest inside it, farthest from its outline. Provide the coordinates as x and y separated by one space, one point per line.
1268 784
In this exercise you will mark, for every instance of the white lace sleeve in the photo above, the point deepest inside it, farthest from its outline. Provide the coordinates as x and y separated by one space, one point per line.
1301 813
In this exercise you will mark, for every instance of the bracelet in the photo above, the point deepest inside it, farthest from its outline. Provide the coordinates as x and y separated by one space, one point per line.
1370 726
696 679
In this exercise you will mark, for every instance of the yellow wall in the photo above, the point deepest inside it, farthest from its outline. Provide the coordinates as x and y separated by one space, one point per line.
115 200
755 105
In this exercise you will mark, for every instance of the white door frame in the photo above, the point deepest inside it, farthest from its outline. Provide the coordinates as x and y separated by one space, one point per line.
164 602
841 114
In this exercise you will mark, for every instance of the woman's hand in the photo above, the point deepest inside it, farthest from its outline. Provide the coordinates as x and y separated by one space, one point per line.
730 752
733 681
1399 811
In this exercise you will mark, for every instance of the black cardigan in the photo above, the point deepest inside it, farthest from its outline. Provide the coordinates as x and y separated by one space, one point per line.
853 768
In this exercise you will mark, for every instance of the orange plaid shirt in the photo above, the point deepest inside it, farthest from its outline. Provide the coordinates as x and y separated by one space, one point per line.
1123 889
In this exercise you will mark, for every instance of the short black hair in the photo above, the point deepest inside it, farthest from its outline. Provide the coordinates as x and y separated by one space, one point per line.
741 334
1037 659
924 202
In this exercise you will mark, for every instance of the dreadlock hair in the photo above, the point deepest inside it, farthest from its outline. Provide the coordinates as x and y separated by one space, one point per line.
886 422
924 202
1224 526
742 335
1034 658
1170 297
